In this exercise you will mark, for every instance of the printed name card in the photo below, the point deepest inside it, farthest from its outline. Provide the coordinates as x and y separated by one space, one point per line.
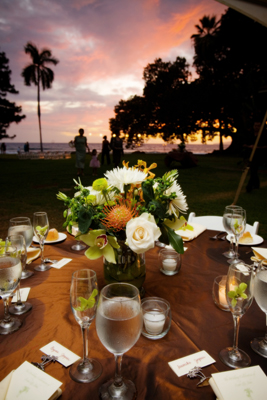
29 383
245 383
61 263
183 365
24 293
64 356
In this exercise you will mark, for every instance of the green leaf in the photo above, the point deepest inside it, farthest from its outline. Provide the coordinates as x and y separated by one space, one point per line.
84 219
148 191
175 240
164 234
157 209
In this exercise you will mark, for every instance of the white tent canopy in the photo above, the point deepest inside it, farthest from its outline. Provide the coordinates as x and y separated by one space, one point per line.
256 9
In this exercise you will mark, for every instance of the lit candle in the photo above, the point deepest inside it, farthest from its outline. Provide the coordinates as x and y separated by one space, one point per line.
222 294
169 264
154 322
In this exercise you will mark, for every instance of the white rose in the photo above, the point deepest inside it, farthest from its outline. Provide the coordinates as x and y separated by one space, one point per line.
141 233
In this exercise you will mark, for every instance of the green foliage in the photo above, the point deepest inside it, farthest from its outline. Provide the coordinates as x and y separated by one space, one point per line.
9 111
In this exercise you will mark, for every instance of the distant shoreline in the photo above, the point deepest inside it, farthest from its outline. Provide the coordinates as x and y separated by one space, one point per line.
197 149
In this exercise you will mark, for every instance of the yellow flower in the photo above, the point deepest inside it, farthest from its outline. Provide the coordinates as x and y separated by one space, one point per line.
100 184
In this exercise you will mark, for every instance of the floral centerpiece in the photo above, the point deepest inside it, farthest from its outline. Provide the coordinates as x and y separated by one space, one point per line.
122 215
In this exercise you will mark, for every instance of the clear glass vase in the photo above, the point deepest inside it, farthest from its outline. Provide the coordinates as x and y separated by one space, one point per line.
129 268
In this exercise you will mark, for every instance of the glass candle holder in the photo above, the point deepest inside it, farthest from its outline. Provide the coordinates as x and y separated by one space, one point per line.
219 292
156 317
170 261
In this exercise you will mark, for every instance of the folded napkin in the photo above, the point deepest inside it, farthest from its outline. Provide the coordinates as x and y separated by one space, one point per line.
260 253
190 235
32 254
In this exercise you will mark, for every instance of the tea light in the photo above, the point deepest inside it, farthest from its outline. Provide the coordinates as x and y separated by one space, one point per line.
222 293
154 322
169 264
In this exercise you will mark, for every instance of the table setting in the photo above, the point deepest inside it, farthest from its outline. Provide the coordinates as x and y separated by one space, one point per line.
179 319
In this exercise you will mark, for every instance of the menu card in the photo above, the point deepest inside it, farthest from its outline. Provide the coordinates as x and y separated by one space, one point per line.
239 384
29 383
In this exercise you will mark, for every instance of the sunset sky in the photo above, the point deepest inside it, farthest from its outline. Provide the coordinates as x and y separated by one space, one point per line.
102 46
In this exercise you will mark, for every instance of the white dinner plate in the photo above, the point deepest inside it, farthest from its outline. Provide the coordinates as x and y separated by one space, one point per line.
62 236
256 240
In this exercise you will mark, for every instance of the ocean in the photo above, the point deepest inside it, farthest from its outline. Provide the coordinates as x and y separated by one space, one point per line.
14 147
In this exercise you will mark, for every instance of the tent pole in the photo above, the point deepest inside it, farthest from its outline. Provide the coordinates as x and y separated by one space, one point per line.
245 172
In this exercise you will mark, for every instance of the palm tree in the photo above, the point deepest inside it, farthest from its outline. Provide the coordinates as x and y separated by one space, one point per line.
38 73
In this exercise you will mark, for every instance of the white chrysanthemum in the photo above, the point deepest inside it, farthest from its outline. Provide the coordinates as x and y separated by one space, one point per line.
119 177
179 203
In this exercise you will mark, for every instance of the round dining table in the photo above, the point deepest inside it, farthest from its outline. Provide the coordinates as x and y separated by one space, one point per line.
197 323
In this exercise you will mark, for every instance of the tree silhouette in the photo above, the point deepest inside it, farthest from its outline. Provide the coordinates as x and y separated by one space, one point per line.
9 112
38 73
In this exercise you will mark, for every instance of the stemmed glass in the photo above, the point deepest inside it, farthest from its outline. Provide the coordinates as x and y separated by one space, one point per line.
119 322
227 216
10 275
41 228
238 226
84 297
259 345
22 226
239 294
18 241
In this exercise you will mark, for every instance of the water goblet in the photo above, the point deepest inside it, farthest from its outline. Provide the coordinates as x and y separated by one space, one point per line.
119 324
238 226
239 294
10 274
22 226
227 215
84 297
18 241
41 228
259 345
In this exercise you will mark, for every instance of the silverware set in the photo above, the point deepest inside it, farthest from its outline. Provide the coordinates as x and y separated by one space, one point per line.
219 236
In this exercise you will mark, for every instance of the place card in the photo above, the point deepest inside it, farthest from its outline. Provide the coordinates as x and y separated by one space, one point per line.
64 356
183 365
242 383
61 263
29 383
24 293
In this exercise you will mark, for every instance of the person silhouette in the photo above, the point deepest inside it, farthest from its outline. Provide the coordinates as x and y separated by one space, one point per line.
80 143
105 151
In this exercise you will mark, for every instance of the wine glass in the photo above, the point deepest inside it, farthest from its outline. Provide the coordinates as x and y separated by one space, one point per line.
22 226
239 294
238 226
10 275
119 323
227 215
84 297
259 345
41 228
18 241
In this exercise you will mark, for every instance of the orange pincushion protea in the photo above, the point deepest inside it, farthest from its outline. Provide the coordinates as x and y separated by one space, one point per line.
118 216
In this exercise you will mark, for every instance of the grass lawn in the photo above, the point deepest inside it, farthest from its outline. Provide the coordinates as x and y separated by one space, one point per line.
28 186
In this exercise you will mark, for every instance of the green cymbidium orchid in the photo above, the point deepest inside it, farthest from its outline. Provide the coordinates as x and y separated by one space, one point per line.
100 245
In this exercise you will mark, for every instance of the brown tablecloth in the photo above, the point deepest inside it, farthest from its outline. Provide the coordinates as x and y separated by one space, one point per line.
197 324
